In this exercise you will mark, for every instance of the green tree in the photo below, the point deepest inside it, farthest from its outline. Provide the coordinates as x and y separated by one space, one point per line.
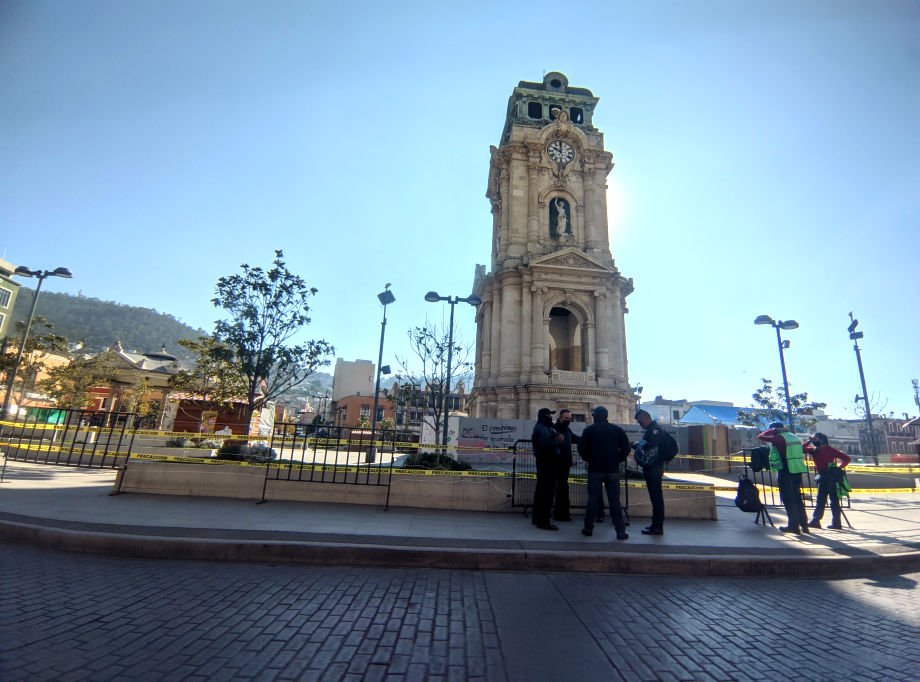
770 406
427 375
267 309
69 385
216 376
41 341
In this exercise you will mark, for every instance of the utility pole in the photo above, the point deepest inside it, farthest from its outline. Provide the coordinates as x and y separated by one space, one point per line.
855 336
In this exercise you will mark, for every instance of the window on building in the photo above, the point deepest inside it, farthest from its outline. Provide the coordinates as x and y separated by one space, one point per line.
365 412
675 414
2 318
534 110
379 414
576 115
5 295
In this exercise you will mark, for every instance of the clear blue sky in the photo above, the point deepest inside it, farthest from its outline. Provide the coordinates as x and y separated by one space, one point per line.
766 162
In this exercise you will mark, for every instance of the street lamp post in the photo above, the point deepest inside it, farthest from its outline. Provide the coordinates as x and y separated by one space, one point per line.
778 325
434 297
40 275
855 336
386 297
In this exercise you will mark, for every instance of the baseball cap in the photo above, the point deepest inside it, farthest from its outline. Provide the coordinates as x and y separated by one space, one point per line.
600 411
545 411
776 425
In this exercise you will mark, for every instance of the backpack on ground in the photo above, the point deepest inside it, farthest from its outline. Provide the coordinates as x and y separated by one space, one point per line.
667 446
748 497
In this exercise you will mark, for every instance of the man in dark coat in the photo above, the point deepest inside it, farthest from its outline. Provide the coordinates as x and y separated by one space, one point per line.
652 470
604 446
561 510
546 443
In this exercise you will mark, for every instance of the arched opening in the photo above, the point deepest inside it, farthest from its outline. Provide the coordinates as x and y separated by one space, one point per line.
565 341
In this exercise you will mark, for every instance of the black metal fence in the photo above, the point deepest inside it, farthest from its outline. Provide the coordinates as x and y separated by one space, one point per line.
524 479
79 438
333 454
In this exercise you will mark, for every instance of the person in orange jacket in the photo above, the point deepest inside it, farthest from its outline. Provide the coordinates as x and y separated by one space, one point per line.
825 458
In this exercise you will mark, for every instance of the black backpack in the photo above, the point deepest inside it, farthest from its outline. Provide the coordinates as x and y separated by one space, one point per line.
748 497
760 458
667 446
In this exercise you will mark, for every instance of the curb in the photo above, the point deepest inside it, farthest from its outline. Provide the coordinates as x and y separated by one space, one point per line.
513 560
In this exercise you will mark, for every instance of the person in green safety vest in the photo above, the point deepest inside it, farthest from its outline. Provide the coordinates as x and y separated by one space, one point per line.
788 458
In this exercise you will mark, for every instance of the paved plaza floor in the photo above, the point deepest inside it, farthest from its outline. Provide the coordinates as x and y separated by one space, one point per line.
293 591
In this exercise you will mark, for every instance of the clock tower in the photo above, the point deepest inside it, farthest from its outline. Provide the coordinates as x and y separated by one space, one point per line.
550 331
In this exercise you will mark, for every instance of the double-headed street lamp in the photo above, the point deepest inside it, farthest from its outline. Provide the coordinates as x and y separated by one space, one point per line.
23 271
386 297
855 336
434 297
778 325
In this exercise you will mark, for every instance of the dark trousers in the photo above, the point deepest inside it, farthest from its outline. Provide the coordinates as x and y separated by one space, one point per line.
653 475
790 494
546 489
596 484
561 511
827 488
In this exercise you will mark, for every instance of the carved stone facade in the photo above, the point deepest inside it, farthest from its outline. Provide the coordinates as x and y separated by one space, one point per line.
550 330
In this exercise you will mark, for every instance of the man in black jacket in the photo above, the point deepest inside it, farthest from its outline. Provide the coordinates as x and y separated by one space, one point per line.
652 470
545 442
563 465
604 446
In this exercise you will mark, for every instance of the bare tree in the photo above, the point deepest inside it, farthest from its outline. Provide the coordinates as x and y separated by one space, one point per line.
427 371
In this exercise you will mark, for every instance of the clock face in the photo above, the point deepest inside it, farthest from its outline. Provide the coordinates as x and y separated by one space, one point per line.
560 151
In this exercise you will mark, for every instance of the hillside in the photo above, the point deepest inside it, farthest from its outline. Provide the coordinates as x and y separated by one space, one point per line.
99 324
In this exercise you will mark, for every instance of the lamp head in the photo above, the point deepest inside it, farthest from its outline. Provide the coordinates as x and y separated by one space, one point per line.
763 319
62 272
788 324
23 271
473 300
852 327
432 297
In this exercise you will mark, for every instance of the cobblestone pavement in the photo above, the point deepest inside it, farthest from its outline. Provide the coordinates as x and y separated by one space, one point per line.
78 617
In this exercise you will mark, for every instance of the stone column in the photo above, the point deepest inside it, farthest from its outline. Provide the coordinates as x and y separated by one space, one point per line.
538 340
590 205
617 330
511 328
602 315
526 329
484 341
495 326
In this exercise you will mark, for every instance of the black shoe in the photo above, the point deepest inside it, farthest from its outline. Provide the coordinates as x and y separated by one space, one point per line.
789 529
652 531
836 526
622 536
805 530
547 526
588 533
815 524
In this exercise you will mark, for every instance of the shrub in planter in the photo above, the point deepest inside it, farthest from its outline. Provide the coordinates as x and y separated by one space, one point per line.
434 460
260 453
179 442
210 444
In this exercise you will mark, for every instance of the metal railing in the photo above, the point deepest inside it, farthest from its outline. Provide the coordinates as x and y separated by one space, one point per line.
524 479
78 438
334 455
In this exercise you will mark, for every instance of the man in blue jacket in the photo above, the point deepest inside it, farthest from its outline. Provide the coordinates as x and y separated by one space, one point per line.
604 446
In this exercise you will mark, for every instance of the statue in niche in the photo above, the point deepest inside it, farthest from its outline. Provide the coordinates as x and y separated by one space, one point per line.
559 223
